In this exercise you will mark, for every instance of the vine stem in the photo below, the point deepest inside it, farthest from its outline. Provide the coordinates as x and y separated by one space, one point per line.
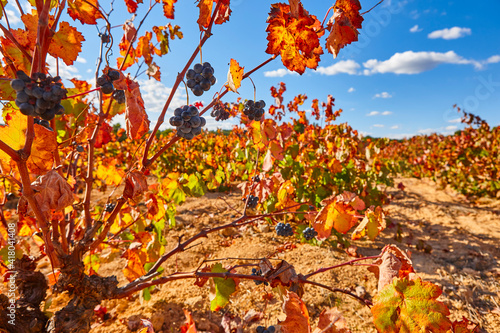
349 263
83 93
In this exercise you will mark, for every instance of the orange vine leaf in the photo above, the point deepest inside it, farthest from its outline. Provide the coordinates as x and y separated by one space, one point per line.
297 316
84 11
66 43
132 5
371 225
331 321
410 306
294 37
205 13
234 76
189 326
343 25
168 8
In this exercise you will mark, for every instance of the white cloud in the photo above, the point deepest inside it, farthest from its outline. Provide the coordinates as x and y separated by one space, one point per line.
279 73
410 62
384 94
344 66
81 60
451 128
350 90
395 127
451 33
13 17
378 125
427 131
493 59
378 113
415 28
455 121
65 71
155 94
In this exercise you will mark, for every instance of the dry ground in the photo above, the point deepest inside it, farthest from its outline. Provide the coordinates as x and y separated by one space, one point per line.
453 243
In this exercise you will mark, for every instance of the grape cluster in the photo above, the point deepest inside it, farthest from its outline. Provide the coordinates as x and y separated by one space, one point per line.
254 110
105 81
284 229
109 207
42 122
258 272
262 329
188 122
200 78
252 201
39 96
309 233
220 112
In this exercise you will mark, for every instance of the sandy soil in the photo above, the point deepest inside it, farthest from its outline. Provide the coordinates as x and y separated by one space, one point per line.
453 244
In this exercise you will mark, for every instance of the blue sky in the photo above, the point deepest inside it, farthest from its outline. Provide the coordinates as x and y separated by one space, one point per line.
413 61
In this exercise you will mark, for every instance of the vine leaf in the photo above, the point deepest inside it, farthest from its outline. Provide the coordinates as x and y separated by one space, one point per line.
66 43
135 113
135 264
297 316
465 326
371 225
331 321
132 5
168 8
52 192
189 326
223 13
295 36
135 185
339 212
84 10
393 263
234 76
410 306
223 289
14 135
343 25
205 13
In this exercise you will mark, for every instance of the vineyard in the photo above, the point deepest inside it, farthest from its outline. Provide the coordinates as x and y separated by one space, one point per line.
291 221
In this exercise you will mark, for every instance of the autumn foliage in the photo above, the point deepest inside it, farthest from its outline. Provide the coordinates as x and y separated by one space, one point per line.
322 177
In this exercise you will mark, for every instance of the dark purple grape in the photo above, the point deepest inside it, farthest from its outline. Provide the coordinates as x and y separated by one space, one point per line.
107 88
49 114
195 121
203 122
188 136
26 109
197 90
198 68
193 111
177 112
207 65
37 92
186 115
190 74
17 84
198 78
191 83
196 130
22 97
23 76
176 121
207 72
113 75
101 81
212 80
186 127
205 84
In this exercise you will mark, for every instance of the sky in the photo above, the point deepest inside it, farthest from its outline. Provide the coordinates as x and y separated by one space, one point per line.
414 60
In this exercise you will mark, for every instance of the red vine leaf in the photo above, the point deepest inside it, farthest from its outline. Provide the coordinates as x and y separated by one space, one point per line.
297 316
189 326
135 185
135 113
465 326
234 76
345 28
84 10
331 321
223 13
205 13
410 306
393 263
66 43
295 36
132 5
